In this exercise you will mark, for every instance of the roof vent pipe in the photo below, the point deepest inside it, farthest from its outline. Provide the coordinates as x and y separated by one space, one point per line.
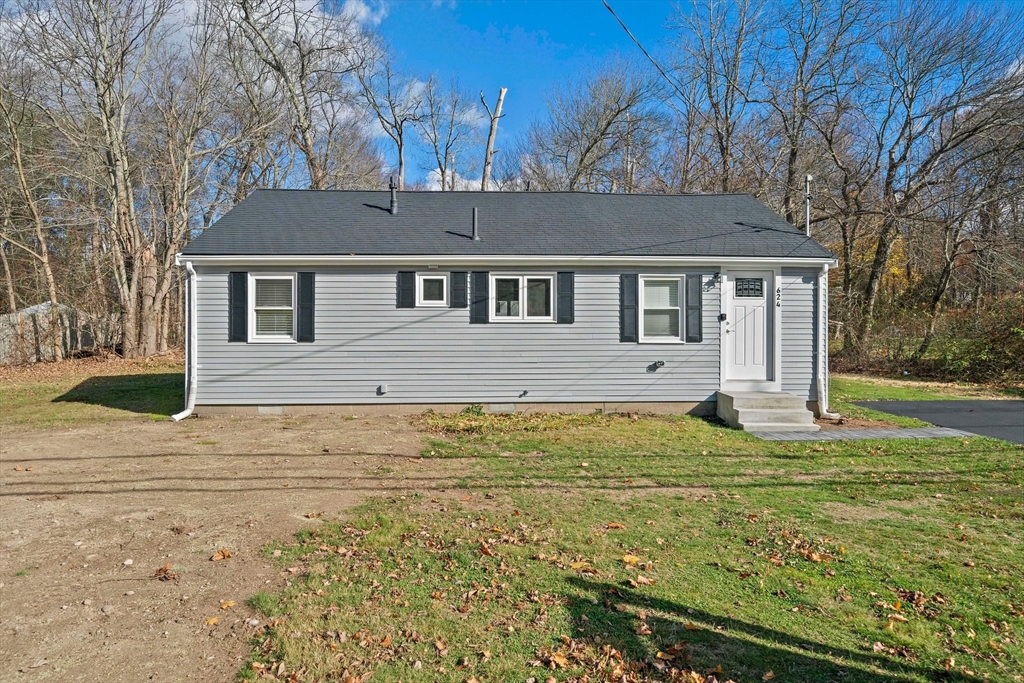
394 196
476 230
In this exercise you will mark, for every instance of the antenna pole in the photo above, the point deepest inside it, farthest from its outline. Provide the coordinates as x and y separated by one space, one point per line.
807 204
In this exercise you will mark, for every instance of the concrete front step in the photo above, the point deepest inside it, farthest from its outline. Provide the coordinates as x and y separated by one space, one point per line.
763 399
775 415
775 427
765 411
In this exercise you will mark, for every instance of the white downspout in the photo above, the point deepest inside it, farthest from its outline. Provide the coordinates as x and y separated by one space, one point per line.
193 352
822 374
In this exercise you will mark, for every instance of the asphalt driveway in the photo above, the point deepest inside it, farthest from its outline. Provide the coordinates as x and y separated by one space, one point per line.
1001 419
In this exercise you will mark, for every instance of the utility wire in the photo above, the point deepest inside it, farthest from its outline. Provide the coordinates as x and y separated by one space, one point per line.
671 81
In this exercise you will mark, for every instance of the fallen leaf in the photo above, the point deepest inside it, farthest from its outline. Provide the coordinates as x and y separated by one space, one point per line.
485 550
768 676
630 560
212 621
227 604
164 573
386 642
580 565
614 525
221 554
559 660
690 626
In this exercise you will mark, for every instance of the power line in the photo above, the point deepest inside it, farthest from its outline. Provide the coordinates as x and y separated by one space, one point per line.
671 81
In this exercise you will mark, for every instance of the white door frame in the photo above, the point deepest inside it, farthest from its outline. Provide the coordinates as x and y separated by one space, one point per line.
773 320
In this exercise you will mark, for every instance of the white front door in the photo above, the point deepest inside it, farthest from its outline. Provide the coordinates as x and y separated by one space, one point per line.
748 326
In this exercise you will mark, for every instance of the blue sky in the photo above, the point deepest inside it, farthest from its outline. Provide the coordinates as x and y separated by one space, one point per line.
528 46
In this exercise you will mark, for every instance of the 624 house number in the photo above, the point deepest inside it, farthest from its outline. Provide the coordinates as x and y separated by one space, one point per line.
778 297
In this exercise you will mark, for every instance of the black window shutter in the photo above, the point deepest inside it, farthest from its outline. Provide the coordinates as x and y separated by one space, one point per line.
566 289
480 301
458 296
406 289
628 303
307 296
238 307
694 331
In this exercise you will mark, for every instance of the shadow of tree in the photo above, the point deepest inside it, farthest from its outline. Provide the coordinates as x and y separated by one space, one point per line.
608 614
154 393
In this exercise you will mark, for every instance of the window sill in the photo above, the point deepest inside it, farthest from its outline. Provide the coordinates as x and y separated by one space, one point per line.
662 341
272 340
522 321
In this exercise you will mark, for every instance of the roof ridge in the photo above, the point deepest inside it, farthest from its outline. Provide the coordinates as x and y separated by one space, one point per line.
517 192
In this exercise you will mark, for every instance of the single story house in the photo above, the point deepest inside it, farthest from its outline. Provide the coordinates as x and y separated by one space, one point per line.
360 301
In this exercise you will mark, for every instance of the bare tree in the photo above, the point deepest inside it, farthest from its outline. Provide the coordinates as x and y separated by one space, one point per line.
594 133
312 54
492 134
18 120
719 53
396 101
449 123
945 77
95 53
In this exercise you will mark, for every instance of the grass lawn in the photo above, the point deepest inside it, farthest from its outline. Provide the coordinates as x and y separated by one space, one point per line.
845 389
600 548
89 390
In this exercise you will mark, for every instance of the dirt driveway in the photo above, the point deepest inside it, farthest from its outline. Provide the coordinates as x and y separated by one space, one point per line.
88 514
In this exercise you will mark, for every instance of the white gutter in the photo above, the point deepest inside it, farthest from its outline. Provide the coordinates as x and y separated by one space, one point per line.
507 260
822 374
192 350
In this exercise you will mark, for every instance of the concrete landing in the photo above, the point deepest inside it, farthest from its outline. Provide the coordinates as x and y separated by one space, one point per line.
765 411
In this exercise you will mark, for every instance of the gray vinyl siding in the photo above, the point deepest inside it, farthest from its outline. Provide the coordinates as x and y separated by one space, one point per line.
431 355
799 322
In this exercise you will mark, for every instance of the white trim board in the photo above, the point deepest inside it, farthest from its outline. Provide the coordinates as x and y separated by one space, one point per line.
513 260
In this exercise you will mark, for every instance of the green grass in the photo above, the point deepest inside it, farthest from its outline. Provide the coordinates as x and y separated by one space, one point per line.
76 393
845 390
860 561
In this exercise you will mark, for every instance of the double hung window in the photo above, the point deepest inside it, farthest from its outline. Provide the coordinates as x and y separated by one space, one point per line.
272 301
661 309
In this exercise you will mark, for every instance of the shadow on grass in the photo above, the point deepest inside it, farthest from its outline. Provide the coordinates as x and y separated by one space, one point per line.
733 644
151 394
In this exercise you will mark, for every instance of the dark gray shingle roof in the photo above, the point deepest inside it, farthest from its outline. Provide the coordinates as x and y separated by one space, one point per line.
315 223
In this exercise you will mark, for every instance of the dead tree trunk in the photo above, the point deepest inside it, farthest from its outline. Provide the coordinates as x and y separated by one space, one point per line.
489 150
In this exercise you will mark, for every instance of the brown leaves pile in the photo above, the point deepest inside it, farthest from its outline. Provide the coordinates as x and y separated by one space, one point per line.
165 573
606 664
221 554
783 545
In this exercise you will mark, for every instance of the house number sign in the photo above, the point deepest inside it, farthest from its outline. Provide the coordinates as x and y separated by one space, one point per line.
778 297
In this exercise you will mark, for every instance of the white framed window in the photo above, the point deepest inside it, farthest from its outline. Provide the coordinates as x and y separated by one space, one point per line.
432 289
662 318
522 298
272 307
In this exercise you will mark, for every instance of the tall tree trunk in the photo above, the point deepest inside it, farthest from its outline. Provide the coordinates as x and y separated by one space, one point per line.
933 309
883 249
485 178
12 302
43 253
150 308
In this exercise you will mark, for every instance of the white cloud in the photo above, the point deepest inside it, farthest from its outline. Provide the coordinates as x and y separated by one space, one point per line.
361 12
433 182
